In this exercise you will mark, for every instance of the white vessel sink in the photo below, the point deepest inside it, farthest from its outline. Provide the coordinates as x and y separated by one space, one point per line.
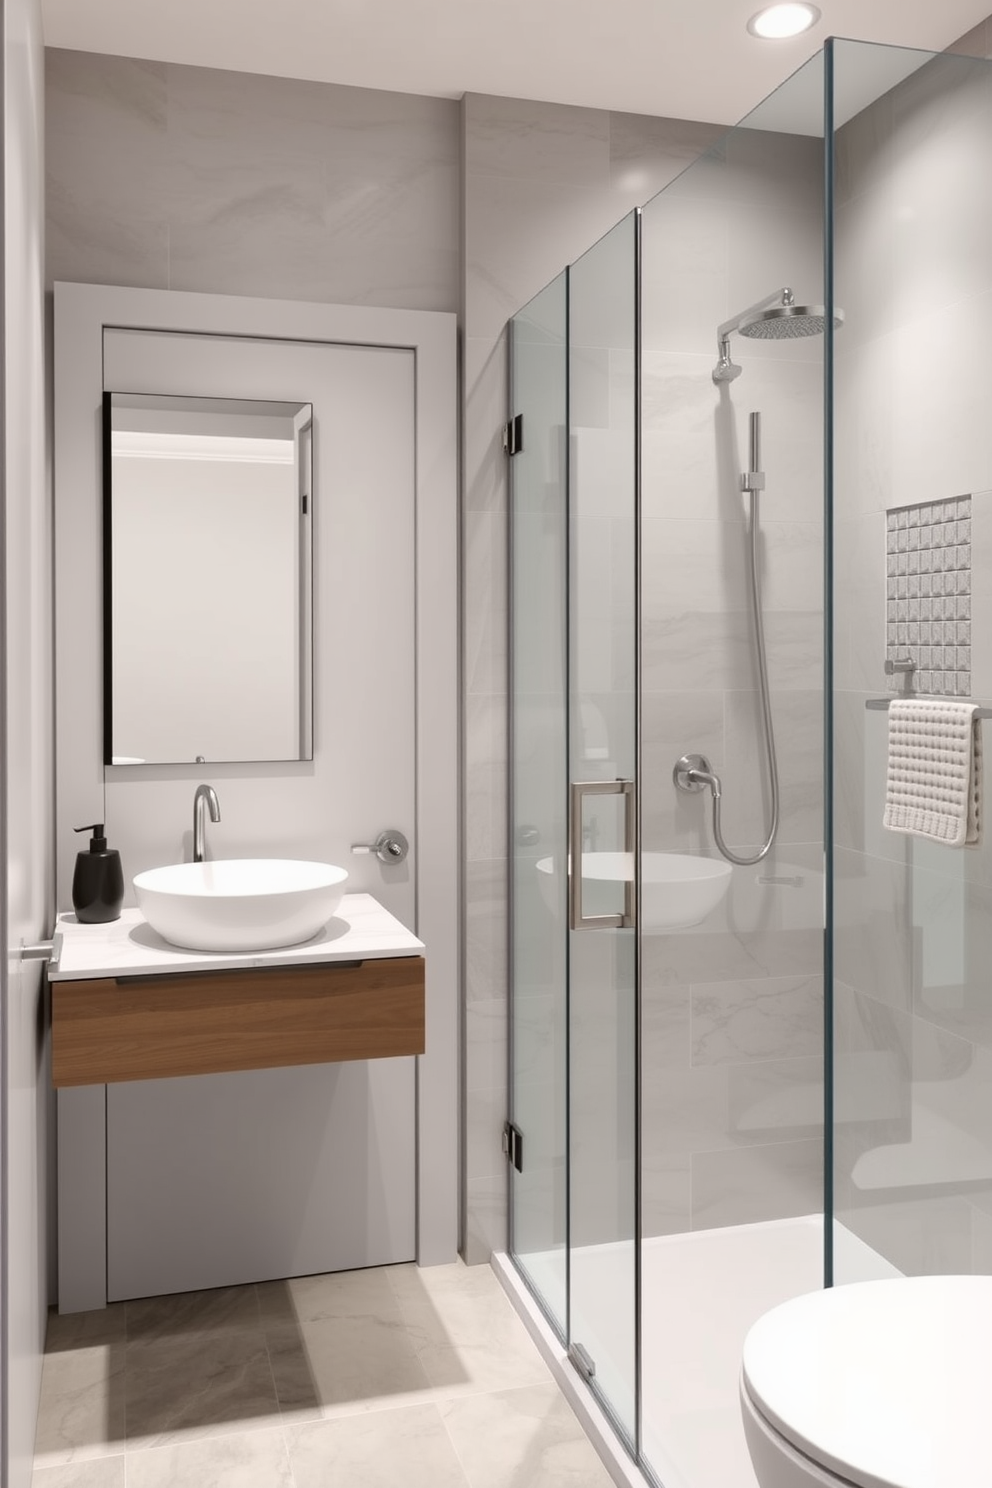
239 904
677 890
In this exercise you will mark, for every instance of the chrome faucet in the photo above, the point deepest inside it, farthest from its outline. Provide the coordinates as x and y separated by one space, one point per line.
205 796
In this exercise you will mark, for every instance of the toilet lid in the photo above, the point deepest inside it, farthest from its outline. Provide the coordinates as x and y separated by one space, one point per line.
887 1383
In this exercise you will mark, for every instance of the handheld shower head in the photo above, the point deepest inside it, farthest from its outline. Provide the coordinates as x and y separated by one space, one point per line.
726 370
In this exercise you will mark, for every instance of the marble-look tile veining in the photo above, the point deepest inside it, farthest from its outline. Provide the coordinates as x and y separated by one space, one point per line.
101 1472
522 1435
371 1451
200 1385
360 1377
776 1018
254 1459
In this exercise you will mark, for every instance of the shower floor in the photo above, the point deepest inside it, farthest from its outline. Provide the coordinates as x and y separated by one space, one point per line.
701 1293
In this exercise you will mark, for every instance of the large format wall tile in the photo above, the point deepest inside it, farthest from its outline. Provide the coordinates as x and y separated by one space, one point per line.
741 1022
107 158
774 1181
190 178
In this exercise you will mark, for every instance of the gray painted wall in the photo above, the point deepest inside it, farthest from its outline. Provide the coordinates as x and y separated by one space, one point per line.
27 741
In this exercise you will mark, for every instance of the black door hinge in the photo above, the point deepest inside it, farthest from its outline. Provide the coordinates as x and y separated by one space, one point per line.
513 435
513 1145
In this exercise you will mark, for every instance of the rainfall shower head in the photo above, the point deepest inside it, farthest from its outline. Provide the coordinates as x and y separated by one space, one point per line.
788 322
777 318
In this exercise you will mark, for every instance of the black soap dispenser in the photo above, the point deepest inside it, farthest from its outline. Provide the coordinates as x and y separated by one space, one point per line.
98 882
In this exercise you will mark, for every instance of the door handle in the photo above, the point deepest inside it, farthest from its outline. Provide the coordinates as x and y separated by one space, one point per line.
578 791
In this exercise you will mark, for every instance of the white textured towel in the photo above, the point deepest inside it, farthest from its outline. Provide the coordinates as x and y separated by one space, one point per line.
934 785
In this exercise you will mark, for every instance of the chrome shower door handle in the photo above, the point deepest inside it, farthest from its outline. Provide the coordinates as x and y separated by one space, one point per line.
578 791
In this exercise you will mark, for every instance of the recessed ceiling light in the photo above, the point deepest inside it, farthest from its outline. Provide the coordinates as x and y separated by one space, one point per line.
776 22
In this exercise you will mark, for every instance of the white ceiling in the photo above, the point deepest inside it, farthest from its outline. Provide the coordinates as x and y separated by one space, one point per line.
689 59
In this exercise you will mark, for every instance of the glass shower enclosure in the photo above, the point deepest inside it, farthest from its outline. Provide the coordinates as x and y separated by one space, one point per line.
743 1069
574 732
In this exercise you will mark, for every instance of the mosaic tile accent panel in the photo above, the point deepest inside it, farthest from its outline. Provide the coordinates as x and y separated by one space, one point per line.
928 594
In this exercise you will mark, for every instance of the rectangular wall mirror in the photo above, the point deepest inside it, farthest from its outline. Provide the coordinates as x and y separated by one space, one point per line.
208 506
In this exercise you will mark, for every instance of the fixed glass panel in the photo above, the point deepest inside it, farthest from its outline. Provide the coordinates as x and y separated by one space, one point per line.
538 759
207 541
732 1016
602 756
912 260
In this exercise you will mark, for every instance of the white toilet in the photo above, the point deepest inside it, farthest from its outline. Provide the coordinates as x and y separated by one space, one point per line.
881 1384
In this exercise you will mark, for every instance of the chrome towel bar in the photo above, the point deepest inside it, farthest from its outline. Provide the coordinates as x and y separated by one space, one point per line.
881 705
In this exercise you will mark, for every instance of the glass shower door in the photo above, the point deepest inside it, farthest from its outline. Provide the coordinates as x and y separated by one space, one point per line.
603 821
573 758
538 826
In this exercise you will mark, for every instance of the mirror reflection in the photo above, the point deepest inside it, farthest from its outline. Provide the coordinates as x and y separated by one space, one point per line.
207 579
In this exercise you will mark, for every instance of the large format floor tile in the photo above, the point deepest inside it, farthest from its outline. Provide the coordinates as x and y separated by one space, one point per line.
408 1445
100 1472
522 1437
81 1413
467 1336
365 1378
254 1459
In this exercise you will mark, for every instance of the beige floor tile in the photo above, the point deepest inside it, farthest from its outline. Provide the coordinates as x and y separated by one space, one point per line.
357 1350
81 1413
187 1314
526 1438
72 1330
466 1333
275 1303
379 1449
296 1387
102 1472
343 1294
196 1386
254 1459
364 1363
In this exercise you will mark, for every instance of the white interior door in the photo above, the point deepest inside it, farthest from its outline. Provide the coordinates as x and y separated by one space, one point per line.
272 1173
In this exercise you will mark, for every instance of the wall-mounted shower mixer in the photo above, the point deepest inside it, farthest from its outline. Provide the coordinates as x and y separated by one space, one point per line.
692 773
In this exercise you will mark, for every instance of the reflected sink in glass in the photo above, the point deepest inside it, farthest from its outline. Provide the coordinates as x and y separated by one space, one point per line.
239 904
677 890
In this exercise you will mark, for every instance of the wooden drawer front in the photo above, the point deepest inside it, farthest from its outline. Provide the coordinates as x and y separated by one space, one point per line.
156 1027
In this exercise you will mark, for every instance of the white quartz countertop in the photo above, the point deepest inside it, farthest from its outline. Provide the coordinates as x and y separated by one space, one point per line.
360 931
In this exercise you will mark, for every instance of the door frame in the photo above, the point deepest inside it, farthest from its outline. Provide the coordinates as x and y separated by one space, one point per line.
82 311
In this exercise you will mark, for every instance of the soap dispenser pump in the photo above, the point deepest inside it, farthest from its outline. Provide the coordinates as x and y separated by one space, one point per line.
98 882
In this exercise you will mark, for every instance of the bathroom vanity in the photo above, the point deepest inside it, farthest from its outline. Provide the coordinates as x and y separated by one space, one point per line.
266 1115
228 1118
126 1005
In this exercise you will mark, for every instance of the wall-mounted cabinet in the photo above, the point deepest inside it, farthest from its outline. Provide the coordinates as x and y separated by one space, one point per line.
228 1118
